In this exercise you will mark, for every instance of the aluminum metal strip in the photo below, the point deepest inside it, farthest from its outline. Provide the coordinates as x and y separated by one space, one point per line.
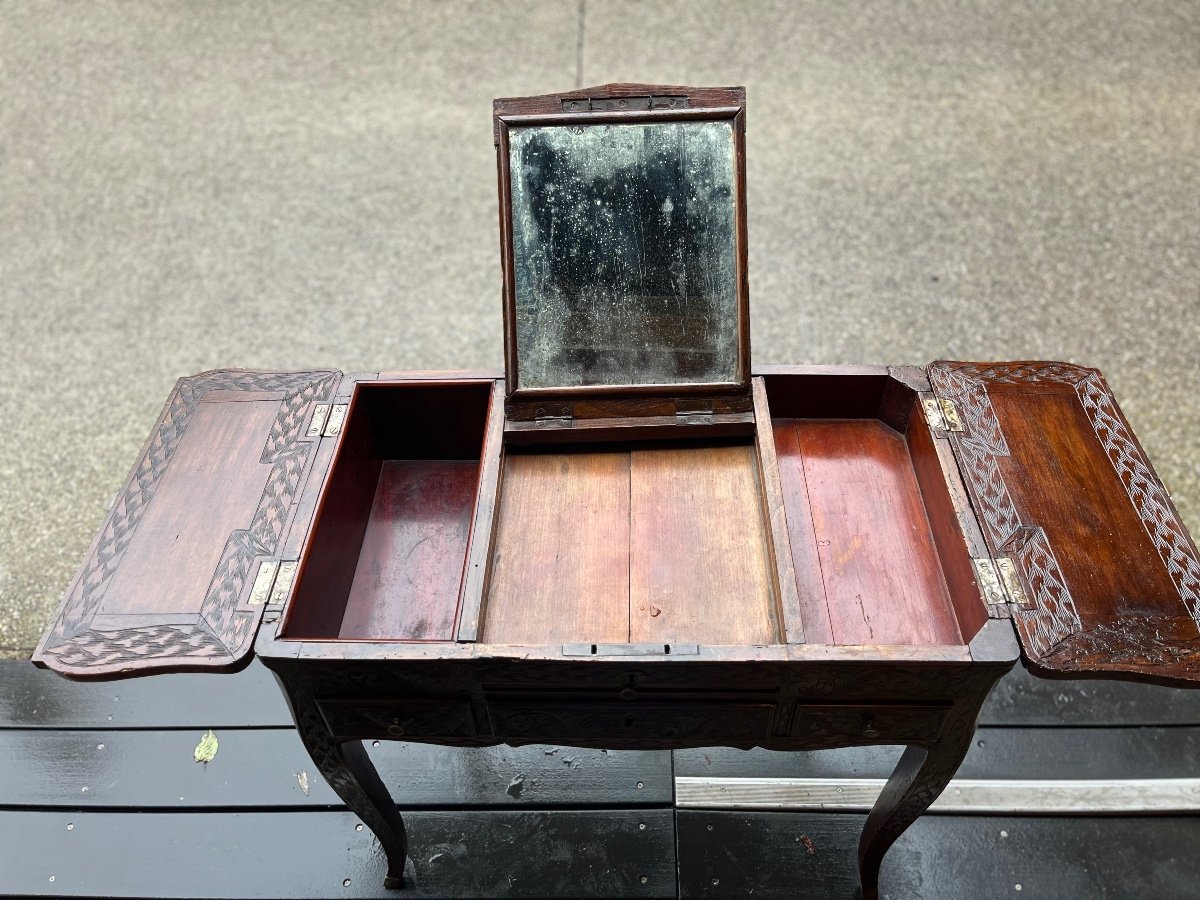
972 796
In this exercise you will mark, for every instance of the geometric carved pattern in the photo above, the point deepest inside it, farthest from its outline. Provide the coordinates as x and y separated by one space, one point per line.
982 442
1148 494
222 630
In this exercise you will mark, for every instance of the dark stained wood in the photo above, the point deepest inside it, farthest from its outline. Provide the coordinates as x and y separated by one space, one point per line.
698 555
406 586
802 856
550 104
997 753
318 854
780 566
560 564
630 428
880 570
951 521
919 778
600 407
1063 488
825 392
166 584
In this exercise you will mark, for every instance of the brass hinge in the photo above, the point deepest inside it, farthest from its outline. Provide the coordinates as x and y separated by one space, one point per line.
326 420
619 104
1000 584
694 412
273 582
941 413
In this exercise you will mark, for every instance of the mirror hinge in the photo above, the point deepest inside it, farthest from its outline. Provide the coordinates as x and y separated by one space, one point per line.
694 412
554 413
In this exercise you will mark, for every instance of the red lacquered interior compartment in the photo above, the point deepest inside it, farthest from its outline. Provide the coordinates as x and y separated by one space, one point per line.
872 534
389 539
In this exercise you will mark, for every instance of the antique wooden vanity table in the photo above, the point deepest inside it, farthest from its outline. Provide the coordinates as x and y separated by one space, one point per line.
631 539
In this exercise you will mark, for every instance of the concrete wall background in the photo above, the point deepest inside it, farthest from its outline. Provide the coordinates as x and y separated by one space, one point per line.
194 186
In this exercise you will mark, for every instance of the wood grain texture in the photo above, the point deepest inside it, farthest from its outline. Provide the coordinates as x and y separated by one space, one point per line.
802 534
1063 488
410 567
560 564
389 537
780 565
166 583
951 521
880 568
699 551
483 528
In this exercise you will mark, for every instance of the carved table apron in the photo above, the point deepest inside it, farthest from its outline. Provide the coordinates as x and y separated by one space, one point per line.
643 703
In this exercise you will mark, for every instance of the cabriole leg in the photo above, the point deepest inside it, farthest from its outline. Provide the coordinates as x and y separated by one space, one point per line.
352 775
920 776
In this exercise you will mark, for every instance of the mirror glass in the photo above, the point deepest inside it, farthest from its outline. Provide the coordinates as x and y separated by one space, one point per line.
624 253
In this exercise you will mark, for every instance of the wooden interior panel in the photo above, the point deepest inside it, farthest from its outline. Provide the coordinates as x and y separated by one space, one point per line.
183 533
406 585
1061 479
389 538
802 536
698 567
951 521
560 564
880 569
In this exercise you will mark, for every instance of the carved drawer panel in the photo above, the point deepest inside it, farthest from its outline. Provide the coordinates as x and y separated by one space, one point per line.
640 721
841 725
415 718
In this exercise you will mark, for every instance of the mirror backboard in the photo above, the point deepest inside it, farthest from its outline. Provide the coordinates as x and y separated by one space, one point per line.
624 243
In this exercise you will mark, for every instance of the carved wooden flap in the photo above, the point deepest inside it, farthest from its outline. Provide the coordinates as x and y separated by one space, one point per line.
176 578
1104 577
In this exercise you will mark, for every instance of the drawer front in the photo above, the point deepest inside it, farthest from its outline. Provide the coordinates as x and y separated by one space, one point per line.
844 724
598 721
447 717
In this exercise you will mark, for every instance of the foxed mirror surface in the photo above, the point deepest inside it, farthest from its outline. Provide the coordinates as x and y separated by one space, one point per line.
624 254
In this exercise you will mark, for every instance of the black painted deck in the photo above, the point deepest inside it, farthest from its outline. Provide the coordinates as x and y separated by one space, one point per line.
100 796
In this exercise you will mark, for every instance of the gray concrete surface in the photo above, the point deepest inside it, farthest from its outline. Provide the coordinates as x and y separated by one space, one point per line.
191 186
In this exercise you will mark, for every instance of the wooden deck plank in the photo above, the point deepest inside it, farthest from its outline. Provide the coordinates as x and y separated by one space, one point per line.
589 853
1021 698
1056 753
262 769
35 698
812 855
